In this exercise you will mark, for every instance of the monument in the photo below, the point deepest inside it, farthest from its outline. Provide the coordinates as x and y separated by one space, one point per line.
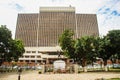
59 64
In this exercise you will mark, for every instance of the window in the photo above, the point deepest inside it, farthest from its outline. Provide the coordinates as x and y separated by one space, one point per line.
38 56
32 56
28 51
39 52
26 56
33 51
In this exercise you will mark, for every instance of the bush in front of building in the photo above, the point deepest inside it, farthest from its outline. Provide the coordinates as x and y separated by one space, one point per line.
40 71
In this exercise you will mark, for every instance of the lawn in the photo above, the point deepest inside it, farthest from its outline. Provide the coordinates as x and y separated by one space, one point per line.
114 79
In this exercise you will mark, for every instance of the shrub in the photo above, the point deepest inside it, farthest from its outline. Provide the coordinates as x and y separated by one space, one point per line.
50 70
39 72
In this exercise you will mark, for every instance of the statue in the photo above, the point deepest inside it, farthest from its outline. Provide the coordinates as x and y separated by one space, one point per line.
59 54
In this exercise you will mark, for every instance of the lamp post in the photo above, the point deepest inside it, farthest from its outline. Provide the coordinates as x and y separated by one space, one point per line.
59 54
58 51
19 73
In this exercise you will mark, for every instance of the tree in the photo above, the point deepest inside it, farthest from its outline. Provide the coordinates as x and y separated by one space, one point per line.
105 50
95 49
89 48
114 36
16 50
5 37
67 43
81 50
9 49
86 50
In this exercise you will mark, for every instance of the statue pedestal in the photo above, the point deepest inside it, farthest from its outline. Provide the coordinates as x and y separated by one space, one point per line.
43 69
59 65
76 68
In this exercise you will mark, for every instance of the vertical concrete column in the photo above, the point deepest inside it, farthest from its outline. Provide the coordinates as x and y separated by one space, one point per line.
68 61
106 68
76 68
36 57
29 61
47 61
43 68
85 69
24 61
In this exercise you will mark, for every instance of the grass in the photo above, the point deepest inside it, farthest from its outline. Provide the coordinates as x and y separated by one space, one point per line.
114 79
101 70
109 79
115 69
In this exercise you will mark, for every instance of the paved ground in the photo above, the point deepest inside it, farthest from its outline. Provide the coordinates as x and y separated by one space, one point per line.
33 75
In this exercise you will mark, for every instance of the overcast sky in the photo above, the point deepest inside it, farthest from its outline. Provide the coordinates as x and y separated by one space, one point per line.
108 11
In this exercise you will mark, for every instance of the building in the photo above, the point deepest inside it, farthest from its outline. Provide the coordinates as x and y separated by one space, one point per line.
40 31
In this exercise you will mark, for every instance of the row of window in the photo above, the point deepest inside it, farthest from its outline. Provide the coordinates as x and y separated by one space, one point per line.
30 61
32 51
31 56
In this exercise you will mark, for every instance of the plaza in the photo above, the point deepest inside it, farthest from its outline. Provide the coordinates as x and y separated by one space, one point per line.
33 75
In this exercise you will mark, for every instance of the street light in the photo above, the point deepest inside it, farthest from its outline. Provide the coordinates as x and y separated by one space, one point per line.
58 51
19 73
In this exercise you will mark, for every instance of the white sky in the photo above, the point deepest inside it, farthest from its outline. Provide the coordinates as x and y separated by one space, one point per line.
108 11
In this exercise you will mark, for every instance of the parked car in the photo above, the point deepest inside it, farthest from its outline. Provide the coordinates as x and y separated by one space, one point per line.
39 67
15 67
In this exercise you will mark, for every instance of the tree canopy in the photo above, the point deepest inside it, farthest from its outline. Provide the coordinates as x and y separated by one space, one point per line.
105 49
114 37
67 43
9 49
78 49
86 49
5 37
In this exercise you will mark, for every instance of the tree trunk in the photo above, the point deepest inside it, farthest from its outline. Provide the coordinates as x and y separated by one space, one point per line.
101 64
113 62
92 63
105 65
84 65
84 69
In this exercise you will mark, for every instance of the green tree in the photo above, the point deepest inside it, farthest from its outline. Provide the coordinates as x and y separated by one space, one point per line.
67 44
86 50
16 50
82 50
5 37
114 36
93 54
9 49
105 50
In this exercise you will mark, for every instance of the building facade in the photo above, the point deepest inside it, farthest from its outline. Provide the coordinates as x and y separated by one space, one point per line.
40 31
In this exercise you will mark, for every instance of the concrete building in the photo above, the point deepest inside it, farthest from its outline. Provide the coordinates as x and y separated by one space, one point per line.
40 31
